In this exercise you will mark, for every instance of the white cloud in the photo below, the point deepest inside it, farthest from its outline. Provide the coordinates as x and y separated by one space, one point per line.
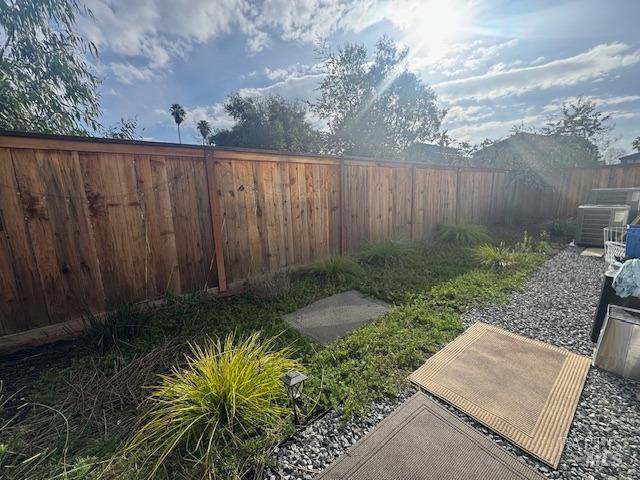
622 114
127 73
292 88
589 65
296 70
472 113
159 30
556 103
214 114
462 57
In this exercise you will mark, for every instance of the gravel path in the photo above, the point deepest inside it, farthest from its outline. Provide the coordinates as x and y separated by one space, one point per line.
556 306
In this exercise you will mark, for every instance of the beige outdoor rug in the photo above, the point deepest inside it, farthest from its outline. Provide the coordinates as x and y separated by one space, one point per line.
421 440
523 389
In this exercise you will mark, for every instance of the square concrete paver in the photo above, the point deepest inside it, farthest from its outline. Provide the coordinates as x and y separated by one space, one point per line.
421 440
332 317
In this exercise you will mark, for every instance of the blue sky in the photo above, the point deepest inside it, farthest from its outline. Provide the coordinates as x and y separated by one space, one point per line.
492 63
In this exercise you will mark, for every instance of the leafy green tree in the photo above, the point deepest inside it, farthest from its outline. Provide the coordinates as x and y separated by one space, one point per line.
271 123
178 114
636 144
375 107
46 84
205 130
582 118
125 129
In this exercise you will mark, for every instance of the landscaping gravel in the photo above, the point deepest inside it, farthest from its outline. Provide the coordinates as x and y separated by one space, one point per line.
556 306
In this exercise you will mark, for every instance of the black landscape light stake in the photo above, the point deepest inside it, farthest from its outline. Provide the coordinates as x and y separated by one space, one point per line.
294 381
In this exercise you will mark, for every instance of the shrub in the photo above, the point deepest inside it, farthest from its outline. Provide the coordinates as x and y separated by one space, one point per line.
386 254
120 326
219 412
336 269
270 287
544 242
464 234
560 227
529 245
498 257
525 245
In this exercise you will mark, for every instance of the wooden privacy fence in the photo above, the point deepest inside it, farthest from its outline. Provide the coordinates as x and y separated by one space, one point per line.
88 224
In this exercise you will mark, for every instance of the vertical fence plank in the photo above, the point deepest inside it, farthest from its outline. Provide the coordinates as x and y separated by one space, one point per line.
23 305
216 220
37 210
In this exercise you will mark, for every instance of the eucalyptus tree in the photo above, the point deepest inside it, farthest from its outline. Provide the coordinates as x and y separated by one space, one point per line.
46 82
178 113
125 129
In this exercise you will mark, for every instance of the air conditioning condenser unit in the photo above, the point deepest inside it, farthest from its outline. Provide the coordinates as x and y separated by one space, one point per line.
591 221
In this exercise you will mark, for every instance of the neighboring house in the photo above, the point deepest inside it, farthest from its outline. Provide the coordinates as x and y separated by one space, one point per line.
538 153
631 158
429 153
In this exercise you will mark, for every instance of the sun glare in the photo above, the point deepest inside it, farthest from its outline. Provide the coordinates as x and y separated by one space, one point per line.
431 27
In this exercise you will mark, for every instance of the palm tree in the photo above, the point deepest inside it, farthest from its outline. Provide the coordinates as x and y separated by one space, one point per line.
205 130
178 114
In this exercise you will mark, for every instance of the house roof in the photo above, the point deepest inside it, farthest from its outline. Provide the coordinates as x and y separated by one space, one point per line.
532 148
430 153
631 158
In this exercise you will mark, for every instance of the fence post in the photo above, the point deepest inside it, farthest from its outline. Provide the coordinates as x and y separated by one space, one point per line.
341 193
457 195
489 218
413 201
216 221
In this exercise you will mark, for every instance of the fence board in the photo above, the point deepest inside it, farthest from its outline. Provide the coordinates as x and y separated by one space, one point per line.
191 213
32 309
474 189
32 175
435 200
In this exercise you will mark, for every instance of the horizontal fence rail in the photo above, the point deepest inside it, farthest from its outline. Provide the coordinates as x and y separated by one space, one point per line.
87 225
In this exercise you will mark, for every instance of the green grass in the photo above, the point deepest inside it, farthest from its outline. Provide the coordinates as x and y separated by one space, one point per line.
99 397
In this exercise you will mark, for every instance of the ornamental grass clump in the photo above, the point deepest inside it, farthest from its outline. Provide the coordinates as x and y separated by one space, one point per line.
464 234
214 417
499 257
335 269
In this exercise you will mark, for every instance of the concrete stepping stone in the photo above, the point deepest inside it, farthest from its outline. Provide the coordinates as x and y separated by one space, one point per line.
334 316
